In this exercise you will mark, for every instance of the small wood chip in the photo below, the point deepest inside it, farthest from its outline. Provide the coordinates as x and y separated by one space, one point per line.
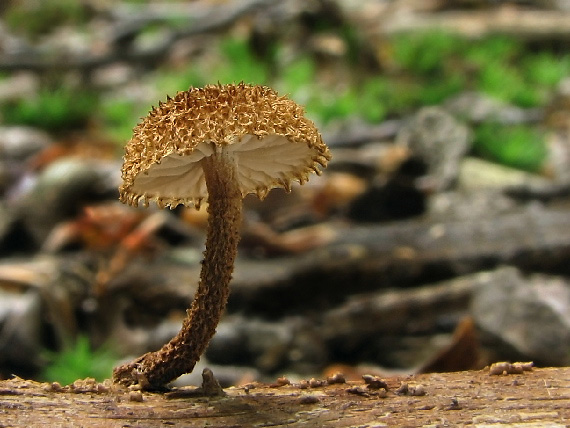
336 378
210 388
281 381
54 387
454 405
248 387
416 390
526 366
309 399
316 383
357 390
403 389
136 396
210 385
505 368
374 382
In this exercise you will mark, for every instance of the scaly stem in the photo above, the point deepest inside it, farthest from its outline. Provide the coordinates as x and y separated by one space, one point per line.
154 370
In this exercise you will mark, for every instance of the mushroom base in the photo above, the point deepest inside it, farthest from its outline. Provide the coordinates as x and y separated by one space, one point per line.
154 370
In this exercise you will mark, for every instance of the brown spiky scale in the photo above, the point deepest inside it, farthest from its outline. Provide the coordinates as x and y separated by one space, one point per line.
220 115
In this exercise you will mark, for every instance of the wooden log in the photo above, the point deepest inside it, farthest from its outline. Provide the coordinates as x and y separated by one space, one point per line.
365 258
522 23
207 21
540 397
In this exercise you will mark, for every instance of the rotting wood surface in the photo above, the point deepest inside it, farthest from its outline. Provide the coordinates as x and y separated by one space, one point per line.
537 398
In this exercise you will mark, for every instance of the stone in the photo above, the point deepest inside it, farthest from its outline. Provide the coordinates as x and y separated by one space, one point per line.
528 317
439 142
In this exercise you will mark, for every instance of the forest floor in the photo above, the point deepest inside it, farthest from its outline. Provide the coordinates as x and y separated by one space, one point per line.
438 239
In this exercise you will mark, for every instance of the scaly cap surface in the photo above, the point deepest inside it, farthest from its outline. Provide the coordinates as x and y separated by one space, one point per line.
271 140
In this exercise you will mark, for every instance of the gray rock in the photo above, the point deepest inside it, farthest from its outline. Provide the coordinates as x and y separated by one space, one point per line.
477 107
291 344
527 317
558 159
7 218
18 85
17 145
226 375
20 330
476 174
439 142
38 308
457 205
393 327
61 190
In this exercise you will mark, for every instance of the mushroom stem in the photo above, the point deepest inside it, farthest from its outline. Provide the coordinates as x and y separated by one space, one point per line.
154 370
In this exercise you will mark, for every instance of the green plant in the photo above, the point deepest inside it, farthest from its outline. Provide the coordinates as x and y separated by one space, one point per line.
329 106
119 116
425 53
54 110
505 70
493 49
352 41
35 18
443 64
429 69
236 63
372 99
546 69
298 75
240 64
518 146
438 90
78 362
426 68
172 81
505 82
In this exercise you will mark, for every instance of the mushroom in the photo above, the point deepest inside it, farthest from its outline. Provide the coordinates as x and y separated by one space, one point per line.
220 142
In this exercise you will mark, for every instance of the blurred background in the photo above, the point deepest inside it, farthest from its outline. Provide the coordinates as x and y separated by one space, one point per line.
438 238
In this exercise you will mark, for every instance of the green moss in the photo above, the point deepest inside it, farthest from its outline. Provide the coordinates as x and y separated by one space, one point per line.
425 53
518 146
353 43
118 117
504 69
58 109
236 62
78 362
505 82
329 106
443 64
35 18
438 90
425 68
428 69
172 81
297 75
240 64
545 69
492 49
372 99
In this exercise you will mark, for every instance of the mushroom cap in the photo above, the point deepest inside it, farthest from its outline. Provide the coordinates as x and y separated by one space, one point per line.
267 135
